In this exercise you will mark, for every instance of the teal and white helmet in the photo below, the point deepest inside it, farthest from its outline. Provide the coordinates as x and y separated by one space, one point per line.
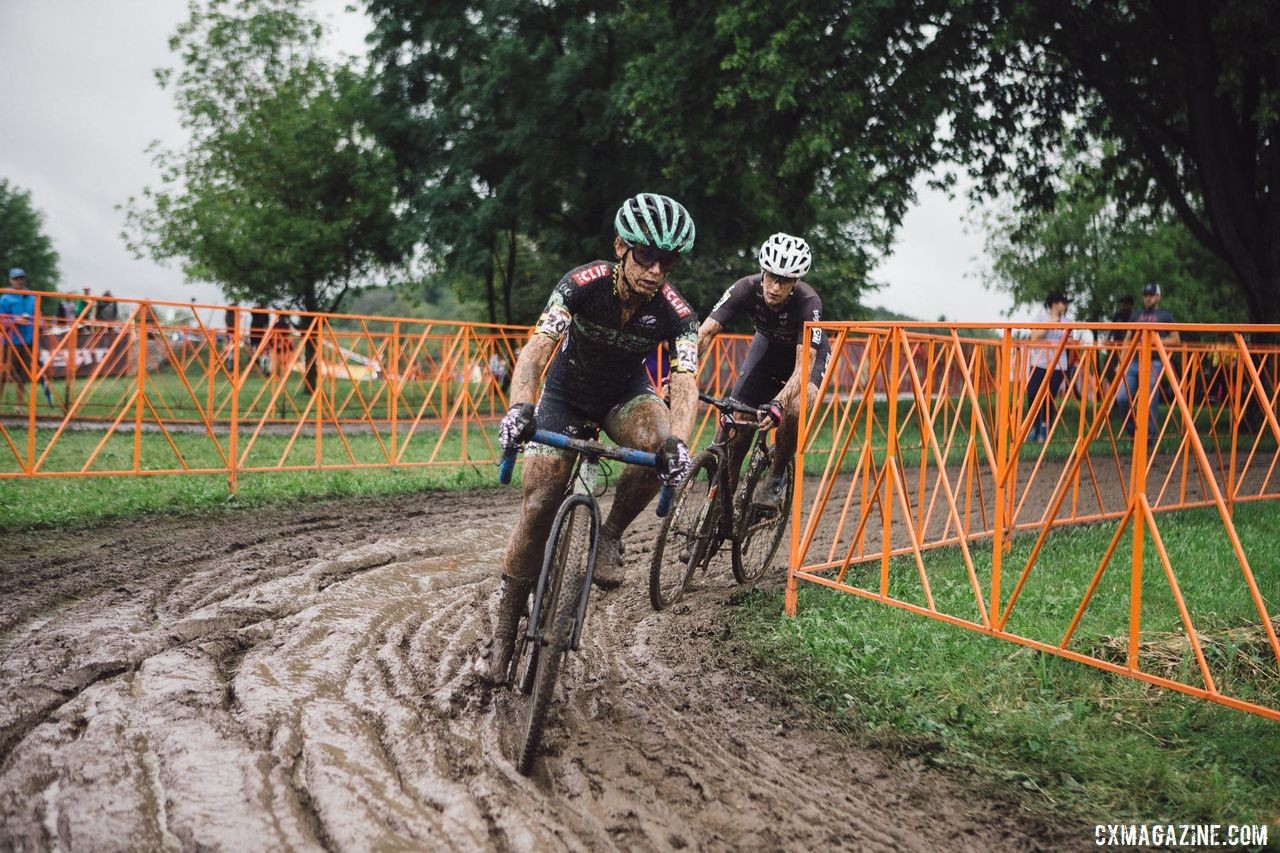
649 219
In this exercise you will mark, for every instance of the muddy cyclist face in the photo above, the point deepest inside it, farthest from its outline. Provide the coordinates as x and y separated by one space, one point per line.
777 289
640 278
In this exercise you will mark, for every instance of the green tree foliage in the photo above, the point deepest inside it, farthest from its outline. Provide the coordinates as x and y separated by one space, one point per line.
523 126
282 196
23 242
1188 89
1086 245
878 92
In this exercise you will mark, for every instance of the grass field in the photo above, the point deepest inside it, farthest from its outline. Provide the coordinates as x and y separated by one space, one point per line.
77 501
1101 746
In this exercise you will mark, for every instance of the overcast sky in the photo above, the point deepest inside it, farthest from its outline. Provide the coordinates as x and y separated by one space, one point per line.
81 105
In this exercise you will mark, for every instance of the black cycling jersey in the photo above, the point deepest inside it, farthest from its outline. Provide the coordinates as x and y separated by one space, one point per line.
772 355
600 358
782 325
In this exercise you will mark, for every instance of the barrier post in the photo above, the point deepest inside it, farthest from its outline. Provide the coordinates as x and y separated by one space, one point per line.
797 500
1138 490
140 387
318 330
898 341
1001 490
233 465
391 377
466 386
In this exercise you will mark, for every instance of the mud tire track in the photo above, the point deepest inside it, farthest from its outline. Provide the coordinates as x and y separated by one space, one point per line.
304 678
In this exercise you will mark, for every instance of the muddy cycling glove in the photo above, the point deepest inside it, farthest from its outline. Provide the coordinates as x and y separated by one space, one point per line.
517 426
673 461
773 411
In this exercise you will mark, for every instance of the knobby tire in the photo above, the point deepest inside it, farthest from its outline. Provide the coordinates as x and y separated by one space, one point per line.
687 528
750 563
570 561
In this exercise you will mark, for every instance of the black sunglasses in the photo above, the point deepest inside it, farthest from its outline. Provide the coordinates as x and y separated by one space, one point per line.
647 256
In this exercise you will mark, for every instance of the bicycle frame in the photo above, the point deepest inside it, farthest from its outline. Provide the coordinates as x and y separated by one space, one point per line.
580 489
722 441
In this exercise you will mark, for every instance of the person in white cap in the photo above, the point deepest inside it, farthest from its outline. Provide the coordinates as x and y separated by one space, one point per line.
1151 312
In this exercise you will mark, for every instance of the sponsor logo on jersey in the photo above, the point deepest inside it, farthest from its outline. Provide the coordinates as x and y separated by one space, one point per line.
676 301
723 299
590 274
647 321
817 337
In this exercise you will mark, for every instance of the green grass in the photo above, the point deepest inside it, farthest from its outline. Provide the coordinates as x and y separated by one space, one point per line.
1102 747
80 501
260 397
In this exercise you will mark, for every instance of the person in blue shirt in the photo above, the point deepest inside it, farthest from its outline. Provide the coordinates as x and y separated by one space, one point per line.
17 335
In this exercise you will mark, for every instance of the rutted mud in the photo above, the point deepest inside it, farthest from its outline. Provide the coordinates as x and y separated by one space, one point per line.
304 679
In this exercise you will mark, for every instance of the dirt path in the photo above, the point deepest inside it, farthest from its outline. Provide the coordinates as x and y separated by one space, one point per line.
303 678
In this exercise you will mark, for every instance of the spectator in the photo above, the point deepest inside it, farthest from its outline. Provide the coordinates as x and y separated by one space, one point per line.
1123 314
67 310
281 343
17 337
106 310
82 302
500 371
1150 313
1055 311
259 326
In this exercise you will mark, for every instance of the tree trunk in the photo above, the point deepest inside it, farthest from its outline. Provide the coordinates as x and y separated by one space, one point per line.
488 279
311 302
508 281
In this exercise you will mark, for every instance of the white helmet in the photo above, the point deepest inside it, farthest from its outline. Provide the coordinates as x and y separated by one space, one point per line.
786 256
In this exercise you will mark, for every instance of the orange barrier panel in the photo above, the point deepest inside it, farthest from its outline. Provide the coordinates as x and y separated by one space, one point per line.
919 486
171 388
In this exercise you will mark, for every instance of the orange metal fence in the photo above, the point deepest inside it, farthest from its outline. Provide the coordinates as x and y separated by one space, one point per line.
172 388
922 484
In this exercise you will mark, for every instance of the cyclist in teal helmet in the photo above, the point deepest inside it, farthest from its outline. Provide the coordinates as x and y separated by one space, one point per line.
602 320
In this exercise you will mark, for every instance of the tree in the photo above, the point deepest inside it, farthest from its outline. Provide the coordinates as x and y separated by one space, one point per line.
1085 247
1189 90
523 127
23 242
282 196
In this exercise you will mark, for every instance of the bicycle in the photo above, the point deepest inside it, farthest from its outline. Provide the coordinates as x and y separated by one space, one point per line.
703 499
553 623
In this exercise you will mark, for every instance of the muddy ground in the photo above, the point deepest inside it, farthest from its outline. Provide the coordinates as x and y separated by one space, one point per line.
302 678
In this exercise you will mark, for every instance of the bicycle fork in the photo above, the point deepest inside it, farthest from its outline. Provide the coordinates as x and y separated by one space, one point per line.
584 481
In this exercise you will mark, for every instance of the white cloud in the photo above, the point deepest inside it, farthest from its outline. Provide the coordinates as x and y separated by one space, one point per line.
936 266
81 105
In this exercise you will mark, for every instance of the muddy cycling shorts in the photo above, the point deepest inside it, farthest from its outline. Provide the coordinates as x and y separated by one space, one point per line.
558 412
768 366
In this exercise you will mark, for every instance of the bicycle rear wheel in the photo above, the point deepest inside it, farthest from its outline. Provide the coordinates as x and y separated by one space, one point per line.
569 559
759 531
685 538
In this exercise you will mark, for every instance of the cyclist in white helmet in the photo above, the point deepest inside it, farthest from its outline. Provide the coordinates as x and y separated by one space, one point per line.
601 321
779 304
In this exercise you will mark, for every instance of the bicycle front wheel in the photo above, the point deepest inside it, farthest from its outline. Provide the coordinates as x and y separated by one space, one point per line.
569 560
759 531
685 538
